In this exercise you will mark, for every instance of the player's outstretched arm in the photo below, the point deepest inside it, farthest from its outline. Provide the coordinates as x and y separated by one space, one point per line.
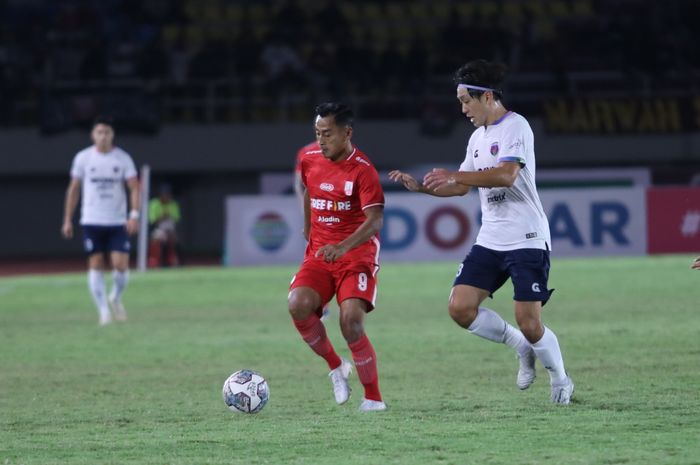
71 201
410 183
370 227
696 264
503 175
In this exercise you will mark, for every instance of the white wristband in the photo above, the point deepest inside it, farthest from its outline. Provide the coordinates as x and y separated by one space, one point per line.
134 215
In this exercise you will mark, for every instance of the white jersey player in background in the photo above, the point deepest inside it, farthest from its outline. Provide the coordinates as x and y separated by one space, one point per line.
102 170
514 240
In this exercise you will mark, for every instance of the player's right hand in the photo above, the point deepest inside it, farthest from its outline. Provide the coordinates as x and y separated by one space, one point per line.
132 226
408 181
67 230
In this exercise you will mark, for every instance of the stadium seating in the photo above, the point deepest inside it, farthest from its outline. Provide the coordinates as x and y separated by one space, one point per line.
211 51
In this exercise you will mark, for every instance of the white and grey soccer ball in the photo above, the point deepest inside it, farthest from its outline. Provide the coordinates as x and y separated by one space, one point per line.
246 391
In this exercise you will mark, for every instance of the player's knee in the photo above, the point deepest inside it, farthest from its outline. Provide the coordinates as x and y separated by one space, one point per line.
531 328
301 305
352 327
463 313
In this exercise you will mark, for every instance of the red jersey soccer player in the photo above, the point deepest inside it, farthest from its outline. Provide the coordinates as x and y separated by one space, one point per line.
343 214
312 150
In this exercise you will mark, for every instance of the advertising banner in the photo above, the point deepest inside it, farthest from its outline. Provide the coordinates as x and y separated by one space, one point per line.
674 219
583 222
596 222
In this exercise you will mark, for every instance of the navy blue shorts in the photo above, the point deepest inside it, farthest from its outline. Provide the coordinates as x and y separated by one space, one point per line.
98 239
489 269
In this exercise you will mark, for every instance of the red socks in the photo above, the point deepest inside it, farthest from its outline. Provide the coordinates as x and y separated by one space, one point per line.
366 364
314 333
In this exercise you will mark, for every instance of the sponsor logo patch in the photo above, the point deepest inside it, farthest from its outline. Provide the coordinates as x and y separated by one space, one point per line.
496 198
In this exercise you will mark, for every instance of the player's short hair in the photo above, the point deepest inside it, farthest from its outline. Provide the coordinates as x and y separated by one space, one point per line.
342 113
103 119
482 73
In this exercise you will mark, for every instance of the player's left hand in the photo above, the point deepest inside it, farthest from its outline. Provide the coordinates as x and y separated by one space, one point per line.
331 252
132 226
439 178
696 264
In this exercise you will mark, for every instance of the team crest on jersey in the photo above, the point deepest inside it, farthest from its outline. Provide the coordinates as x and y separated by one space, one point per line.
494 148
326 186
348 187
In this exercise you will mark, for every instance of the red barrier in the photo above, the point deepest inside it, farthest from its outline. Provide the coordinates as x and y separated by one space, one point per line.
673 220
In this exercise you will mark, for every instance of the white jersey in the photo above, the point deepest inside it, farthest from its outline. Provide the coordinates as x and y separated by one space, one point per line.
512 217
102 176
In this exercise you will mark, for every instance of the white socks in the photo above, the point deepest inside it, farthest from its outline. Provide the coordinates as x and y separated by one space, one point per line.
96 283
548 351
489 325
119 281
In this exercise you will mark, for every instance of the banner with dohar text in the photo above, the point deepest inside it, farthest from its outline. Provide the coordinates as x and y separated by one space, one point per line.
267 229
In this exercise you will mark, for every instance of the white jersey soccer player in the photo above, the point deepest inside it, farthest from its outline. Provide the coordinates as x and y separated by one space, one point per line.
102 170
514 239
512 217
102 178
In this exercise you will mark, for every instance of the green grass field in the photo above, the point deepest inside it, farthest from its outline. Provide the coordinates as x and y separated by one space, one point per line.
149 391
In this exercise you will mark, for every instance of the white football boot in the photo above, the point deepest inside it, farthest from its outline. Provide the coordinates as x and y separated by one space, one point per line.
561 393
105 318
339 378
117 309
526 371
369 405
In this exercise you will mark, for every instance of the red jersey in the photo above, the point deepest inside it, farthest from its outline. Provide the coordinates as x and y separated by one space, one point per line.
310 150
339 192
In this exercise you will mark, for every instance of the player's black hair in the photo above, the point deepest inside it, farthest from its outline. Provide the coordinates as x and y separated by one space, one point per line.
482 73
342 113
103 119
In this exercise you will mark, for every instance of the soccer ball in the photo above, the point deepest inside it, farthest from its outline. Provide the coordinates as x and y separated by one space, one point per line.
246 391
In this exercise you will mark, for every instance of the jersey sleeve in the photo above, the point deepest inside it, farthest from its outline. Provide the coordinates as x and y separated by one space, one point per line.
370 189
297 163
77 169
515 143
468 163
129 168
302 171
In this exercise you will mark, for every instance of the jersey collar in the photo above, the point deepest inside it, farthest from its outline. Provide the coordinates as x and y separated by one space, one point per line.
354 149
499 120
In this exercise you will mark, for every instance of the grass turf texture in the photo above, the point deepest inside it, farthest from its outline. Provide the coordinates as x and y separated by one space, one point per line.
149 391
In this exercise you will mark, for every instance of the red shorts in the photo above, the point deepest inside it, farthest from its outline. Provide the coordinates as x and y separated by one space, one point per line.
347 280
